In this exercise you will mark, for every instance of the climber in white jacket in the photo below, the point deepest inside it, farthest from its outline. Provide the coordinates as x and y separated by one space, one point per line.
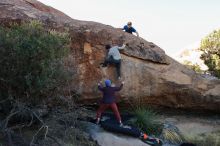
114 57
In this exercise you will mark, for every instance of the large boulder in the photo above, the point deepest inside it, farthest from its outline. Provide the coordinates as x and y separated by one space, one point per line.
148 72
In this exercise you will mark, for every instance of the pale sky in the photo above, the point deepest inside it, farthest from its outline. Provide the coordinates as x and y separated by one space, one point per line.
170 24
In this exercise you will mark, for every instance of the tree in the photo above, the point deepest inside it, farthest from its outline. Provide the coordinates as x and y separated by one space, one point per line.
210 46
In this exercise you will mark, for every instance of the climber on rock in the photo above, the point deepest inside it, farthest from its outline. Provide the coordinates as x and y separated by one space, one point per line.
129 29
108 100
114 57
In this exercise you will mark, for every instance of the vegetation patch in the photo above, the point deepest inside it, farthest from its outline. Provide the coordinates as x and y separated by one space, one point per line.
210 46
211 139
34 108
32 66
147 120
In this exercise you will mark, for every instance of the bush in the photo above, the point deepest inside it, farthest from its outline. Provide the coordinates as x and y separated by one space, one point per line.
31 60
210 46
171 134
147 120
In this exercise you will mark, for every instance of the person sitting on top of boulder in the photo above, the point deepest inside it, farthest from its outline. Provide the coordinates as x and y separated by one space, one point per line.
114 57
108 100
129 29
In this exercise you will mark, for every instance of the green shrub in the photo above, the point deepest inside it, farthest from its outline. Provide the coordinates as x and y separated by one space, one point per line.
147 120
210 47
31 60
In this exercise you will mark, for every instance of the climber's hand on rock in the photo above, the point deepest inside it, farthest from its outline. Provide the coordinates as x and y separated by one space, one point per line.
100 83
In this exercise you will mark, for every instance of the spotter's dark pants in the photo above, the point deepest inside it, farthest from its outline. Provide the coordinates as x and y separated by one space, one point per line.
114 108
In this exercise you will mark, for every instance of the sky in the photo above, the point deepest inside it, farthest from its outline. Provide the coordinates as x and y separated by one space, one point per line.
173 25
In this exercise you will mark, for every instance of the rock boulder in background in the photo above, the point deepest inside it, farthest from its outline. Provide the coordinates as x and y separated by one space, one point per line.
147 71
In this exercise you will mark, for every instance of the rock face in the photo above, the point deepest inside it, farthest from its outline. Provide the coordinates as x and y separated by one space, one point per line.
148 72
